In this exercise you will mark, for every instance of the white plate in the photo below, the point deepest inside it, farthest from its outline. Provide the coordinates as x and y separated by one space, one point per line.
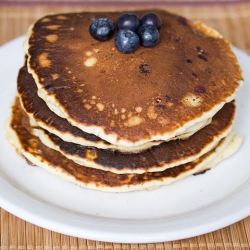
190 207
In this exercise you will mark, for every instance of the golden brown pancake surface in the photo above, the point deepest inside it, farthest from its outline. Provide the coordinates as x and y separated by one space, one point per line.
42 116
132 98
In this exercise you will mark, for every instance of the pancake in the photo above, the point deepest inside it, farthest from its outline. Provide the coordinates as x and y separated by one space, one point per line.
41 116
155 159
152 94
18 133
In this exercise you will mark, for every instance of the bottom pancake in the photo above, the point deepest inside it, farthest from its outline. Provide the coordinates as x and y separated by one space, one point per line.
19 134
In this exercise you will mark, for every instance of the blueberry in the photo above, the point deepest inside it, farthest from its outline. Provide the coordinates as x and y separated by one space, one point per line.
153 19
127 41
149 35
102 29
128 21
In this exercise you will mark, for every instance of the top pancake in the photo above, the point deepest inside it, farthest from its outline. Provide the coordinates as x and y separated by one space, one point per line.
152 94
40 115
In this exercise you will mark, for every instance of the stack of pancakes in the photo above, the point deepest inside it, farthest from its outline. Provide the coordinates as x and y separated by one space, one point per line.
122 122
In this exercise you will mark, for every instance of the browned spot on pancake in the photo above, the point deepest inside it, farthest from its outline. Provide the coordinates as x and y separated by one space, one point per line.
202 54
144 68
169 98
199 89
53 27
151 113
55 76
202 172
192 100
194 75
202 57
161 106
182 20
44 62
215 122
91 154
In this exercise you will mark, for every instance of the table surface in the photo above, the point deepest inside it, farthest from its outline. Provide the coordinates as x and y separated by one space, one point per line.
230 18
